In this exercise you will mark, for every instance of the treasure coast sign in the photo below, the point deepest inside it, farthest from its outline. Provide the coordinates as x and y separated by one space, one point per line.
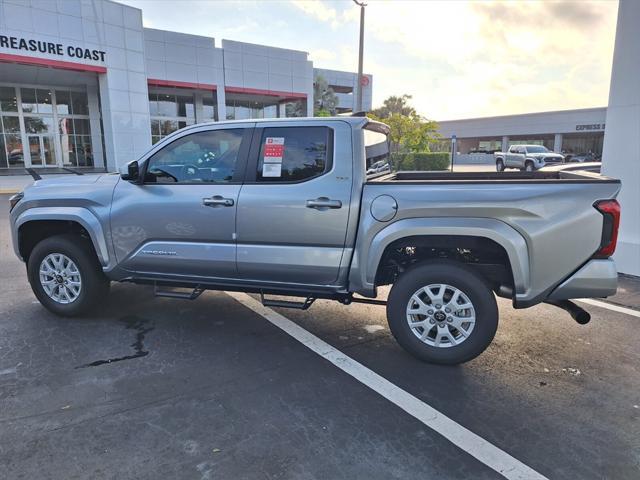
39 46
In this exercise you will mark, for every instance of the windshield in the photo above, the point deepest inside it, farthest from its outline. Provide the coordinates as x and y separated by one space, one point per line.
537 149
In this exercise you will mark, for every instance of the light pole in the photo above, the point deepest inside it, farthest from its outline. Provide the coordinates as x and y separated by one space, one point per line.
360 53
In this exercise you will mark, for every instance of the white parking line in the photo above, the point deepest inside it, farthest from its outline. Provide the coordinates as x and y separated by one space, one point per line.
474 445
610 306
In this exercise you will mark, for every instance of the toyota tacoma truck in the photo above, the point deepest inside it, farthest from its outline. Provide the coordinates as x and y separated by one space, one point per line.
283 208
526 157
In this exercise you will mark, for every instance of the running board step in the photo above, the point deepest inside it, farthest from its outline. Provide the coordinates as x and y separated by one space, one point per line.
188 295
287 304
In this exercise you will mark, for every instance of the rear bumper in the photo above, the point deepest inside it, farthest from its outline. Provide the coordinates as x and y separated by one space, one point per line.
596 279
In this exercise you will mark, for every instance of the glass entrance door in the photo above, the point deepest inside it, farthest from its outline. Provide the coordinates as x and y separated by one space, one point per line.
42 150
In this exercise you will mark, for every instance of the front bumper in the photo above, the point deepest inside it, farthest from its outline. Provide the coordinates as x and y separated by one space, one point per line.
596 279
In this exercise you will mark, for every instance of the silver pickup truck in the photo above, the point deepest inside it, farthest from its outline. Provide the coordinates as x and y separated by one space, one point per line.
526 157
284 207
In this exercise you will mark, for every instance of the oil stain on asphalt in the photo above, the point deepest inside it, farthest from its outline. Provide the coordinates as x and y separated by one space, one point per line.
131 322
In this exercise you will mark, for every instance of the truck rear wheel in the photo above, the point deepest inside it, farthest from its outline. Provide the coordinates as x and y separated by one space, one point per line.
65 275
499 165
442 312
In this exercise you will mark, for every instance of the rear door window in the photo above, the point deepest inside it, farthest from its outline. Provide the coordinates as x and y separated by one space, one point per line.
293 154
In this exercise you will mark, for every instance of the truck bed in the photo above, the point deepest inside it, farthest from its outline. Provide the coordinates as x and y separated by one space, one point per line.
553 213
418 177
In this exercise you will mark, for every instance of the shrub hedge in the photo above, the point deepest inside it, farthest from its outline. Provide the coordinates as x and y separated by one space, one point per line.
421 161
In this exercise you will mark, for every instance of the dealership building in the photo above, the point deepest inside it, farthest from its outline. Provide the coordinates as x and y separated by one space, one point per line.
568 131
83 84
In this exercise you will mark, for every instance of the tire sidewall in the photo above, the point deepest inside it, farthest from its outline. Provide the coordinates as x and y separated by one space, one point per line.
93 282
500 166
528 167
460 277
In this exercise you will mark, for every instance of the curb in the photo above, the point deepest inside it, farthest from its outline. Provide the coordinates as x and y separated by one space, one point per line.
9 191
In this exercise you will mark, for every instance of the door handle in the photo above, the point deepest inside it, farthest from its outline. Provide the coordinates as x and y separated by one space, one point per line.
323 203
218 201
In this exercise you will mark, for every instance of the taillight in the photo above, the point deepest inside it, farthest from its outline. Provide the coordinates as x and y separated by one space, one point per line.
610 210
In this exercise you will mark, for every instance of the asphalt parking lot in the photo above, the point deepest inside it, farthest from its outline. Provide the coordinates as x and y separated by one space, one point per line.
159 388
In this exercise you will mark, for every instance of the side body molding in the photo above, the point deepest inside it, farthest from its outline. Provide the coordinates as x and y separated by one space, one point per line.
75 214
369 250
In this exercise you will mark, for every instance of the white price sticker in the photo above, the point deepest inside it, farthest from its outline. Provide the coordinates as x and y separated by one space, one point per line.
272 170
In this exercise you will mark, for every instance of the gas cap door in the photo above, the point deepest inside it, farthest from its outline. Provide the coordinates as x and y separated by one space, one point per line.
384 208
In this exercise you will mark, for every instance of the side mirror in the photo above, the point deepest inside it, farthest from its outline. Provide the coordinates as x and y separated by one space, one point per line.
133 172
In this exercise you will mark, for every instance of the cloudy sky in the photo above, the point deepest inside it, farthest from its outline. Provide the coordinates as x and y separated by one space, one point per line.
459 59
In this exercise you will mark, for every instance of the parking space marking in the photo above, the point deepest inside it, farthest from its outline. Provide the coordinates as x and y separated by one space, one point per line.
476 446
610 306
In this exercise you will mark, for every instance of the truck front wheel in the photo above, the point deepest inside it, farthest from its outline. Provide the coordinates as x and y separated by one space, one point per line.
65 275
442 312
528 166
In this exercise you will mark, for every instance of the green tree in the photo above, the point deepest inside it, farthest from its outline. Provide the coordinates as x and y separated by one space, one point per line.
395 105
325 99
409 131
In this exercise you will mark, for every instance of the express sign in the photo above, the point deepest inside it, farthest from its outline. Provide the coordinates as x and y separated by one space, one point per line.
31 45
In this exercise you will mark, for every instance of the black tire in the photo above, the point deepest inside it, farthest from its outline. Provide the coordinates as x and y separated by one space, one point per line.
95 285
464 279
528 166
499 165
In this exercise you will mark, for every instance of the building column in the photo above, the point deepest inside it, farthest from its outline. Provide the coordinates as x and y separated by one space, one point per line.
557 143
505 143
221 100
197 106
621 141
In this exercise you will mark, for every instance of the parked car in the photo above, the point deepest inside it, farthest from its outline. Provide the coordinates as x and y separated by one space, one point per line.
283 206
572 167
583 157
526 157
381 166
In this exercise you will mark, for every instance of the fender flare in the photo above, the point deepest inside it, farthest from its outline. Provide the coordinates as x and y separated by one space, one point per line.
80 215
501 233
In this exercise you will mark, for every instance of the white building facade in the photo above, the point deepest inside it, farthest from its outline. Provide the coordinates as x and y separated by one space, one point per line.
84 85
568 131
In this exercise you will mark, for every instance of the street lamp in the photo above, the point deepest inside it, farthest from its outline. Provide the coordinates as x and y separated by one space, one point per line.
361 4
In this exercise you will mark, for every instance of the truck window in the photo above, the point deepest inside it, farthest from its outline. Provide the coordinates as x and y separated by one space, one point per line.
209 156
292 154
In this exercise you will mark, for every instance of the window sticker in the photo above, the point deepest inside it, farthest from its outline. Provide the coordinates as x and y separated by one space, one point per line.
272 169
273 150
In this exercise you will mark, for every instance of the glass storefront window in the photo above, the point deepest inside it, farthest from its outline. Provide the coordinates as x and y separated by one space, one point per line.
45 103
271 111
29 102
55 122
65 126
209 108
38 124
79 103
297 108
81 126
13 145
153 104
170 111
185 106
167 106
8 99
63 102
238 109
11 124
3 153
